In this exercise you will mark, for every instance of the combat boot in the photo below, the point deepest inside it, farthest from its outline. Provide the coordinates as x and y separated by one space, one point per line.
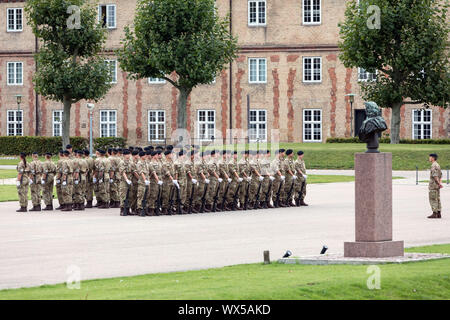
76 207
22 209
48 208
81 206
433 216
36 208
67 207
89 204
61 206
141 212
302 203
439 215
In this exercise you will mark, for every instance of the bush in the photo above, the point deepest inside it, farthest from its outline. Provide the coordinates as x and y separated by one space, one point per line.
388 140
16 145
106 143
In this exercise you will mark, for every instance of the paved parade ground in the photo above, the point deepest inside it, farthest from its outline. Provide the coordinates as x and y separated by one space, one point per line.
40 248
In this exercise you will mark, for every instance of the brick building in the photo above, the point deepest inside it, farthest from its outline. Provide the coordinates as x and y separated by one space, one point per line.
287 74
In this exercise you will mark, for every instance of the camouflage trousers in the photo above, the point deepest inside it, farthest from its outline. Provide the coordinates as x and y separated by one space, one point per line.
288 186
114 189
103 190
435 200
59 193
22 191
245 187
300 189
190 187
89 194
232 191
277 184
123 189
213 184
199 191
140 195
79 192
35 190
153 194
266 190
183 191
47 191
67 190
167 193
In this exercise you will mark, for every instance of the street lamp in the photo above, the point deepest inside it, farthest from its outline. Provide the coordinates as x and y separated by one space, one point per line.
351 97
19 101
90 107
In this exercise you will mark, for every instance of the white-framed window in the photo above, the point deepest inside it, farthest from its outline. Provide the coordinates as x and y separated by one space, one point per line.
257 70
422 124
258 125
108 123
363 75
57 119
15 73
112 67
14 122
156 125
107 15
312 125
156 81
312 69
14 18
312 12
257 12
206 124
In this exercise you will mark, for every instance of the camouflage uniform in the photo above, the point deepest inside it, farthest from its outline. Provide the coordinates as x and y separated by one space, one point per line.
156 190
114 179
201 168
266 187
180 172
289 182
255 166
49 171
213 182
244 168
59 173
222 167
125 166
168 192
277 165
22 189
96 185
89 194
141 168
80 188
300 183
233 169
67 189
35 187
190 168
433 187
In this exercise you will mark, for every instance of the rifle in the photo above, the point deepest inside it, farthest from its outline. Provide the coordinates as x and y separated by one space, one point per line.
179 211
247 196
267 200
126 204
225 196
216 197
235 196
170 209
191 199
277 200
144 202
257 196
202 209
290 194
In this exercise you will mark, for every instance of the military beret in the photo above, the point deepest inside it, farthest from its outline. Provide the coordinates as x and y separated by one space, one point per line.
235 152
159 152
153 153
159 148
142 153
148 152
300 152
213 152
167 152
110 150
35 153
289 152
69 146
66 153
61 151
282 150
434 155
224 152
48 154
126 151
86 152
135 153
23 154
103 152
181 153
169 147
151 148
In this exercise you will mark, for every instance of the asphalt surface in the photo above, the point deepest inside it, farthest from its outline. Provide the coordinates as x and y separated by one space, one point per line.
41 248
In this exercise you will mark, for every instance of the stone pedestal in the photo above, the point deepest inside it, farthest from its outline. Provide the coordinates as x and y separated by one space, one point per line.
373 208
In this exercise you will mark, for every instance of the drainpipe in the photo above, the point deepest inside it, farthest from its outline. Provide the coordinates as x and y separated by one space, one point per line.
231 75
36 49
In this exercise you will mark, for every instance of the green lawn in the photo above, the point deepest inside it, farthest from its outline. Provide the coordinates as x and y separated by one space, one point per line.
9 193
7 174
341 155
419 280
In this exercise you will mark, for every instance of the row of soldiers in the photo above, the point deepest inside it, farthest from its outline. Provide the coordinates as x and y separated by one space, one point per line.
158 181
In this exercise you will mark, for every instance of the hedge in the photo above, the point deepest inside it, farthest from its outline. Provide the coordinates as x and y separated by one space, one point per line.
16 145
388 140
105 143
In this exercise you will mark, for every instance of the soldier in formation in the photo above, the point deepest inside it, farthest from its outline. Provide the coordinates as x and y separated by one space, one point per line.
156 181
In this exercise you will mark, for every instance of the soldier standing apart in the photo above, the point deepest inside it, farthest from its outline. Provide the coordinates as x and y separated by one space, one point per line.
35 182
49 171
434 187
89 194
300 184
23 170
67 182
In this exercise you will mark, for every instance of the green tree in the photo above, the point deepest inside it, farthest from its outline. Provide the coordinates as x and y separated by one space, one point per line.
69 66
183 36
405 41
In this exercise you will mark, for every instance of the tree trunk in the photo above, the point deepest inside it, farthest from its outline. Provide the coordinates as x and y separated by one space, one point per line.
395 123
66 123
181 135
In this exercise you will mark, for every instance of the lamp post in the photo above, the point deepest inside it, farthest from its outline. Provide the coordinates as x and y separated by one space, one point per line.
90 107
19 101
351 98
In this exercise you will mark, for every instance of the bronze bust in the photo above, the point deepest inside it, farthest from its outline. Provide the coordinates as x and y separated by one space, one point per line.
372 126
